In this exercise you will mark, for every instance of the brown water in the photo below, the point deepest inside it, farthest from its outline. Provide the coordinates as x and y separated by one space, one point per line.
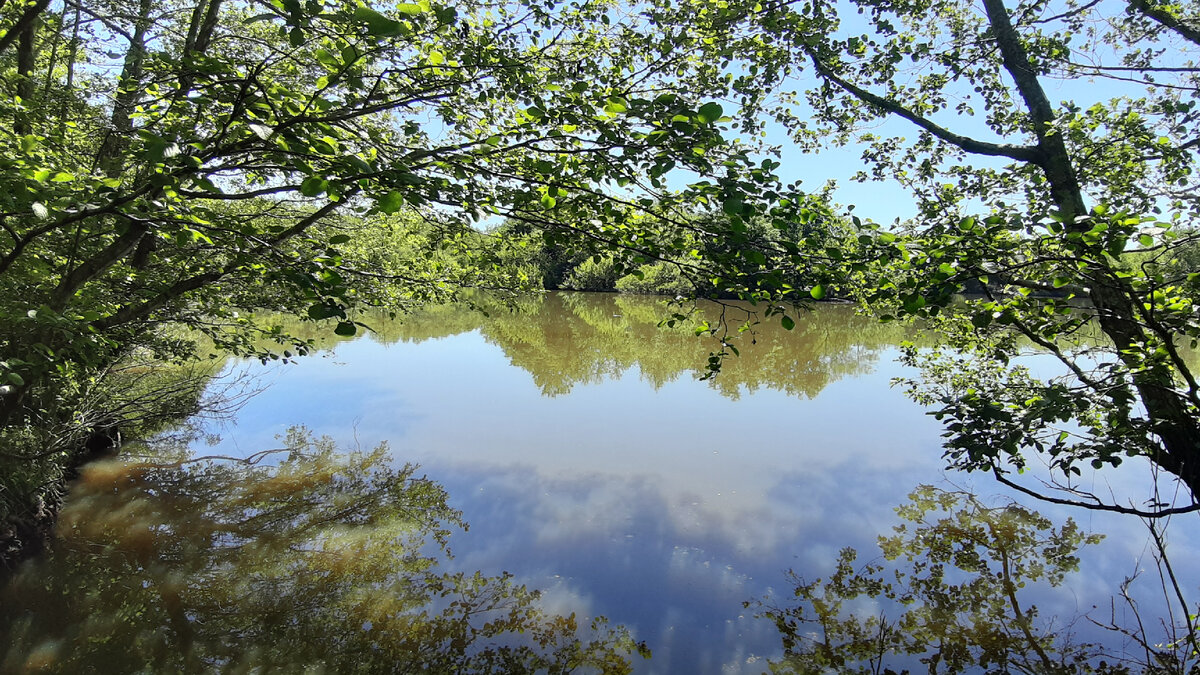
579 444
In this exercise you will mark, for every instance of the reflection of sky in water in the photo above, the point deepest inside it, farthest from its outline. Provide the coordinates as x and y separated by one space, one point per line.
663 510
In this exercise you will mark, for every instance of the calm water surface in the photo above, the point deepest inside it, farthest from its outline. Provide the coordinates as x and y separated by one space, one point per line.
591 463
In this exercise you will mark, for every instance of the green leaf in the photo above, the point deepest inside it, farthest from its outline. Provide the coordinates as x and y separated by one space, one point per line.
391 202
322 311
787 322
981 320
710 112
817 292
345 328
377 24
197 235
358 163
913 303
313 186
327 58
63 177
410 9
732 206
616 105
1145 240
548 201
339 239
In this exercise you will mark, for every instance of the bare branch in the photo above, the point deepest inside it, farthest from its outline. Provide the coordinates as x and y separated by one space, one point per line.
1097 505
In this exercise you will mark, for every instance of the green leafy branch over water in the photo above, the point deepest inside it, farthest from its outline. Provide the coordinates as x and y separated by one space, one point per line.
321 562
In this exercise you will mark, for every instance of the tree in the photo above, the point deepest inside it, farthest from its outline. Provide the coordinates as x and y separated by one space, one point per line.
174 164
237 147
1083 207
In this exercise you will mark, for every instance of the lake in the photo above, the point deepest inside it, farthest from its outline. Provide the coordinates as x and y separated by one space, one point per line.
592 463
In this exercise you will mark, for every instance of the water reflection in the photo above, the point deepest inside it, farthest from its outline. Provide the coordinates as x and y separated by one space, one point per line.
643 493
591 463
564 340
957 589
321 562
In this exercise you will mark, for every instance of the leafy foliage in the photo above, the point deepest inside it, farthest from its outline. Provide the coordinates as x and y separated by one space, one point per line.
246 158
168 164
1060 214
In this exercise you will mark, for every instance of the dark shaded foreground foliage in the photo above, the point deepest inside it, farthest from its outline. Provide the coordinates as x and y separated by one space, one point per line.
88 419
302 559
952 594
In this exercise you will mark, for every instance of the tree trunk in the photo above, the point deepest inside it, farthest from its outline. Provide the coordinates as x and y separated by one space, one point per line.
1175 426
26 42
110 157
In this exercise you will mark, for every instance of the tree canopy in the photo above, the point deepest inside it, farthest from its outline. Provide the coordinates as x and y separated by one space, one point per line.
175 164
1051 148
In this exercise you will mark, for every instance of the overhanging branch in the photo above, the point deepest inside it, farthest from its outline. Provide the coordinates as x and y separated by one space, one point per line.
1096 505
975 146
1167 20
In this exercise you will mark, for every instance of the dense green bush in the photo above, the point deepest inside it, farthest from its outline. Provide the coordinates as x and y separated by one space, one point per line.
661 278
593 274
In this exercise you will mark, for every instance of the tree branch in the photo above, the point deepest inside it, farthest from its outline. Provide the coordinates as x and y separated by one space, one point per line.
23 23
1097 505
1167 20
1020 153
107 257
177 290
1051 155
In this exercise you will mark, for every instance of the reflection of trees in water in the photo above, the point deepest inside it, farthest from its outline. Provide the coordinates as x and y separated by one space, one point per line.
953 593
324 561
581 338
565 339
